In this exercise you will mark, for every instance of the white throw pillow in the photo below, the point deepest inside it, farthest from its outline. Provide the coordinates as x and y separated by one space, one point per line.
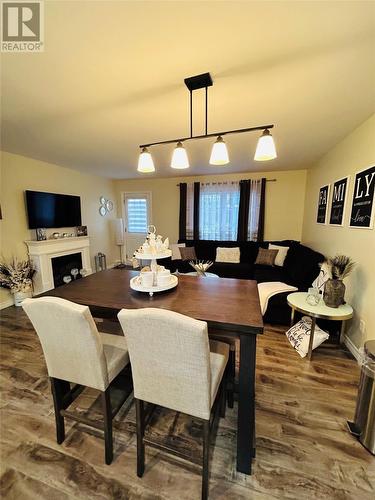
324 275
228 255
299 336
281 254
175 247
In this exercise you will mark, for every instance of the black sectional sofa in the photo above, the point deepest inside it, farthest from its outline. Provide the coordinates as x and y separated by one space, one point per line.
301 267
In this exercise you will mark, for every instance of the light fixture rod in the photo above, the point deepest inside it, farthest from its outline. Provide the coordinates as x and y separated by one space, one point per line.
206 108
205 136
191 113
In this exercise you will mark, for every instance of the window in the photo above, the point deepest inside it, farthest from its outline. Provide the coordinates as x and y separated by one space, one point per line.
254 209
218 211
137 215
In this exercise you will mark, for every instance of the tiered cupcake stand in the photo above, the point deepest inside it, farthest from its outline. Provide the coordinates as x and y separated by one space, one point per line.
135 283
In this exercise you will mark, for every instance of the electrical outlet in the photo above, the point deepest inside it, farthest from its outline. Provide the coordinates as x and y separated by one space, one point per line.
362 326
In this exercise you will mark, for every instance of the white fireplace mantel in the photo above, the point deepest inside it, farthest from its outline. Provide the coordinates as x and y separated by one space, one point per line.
41 254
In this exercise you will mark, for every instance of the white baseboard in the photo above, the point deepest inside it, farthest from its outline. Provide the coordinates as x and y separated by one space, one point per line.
6 303
352 348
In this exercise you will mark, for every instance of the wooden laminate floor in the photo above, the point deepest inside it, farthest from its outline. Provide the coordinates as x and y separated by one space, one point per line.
304 450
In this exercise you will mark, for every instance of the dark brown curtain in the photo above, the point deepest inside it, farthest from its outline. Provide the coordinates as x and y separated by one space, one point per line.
262 210
182 220
243 212
197 188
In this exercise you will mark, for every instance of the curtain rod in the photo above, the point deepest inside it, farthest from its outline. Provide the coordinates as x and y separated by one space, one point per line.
267 180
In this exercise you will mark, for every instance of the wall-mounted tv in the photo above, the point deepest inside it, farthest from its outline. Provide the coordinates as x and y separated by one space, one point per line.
52 210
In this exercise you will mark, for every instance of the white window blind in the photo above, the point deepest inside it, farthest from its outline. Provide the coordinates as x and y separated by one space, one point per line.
218 211
137 213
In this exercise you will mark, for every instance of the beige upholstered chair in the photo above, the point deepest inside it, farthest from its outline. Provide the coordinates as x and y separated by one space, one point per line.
75 352
173 367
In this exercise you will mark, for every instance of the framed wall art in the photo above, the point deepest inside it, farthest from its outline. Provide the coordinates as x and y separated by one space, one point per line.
321 216
338 201
362 208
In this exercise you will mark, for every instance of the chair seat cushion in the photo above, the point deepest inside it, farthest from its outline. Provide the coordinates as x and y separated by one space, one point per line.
219 354
115 352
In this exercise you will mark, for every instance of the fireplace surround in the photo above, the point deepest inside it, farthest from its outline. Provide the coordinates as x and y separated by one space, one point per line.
41 254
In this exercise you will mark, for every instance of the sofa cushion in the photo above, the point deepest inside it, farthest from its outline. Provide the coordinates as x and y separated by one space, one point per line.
301 266
229 270
268 273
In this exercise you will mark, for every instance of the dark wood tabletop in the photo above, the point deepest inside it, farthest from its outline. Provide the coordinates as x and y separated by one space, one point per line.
219 301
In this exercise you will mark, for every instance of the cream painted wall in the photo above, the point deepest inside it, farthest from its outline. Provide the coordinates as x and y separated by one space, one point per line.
355 152
284 201
19 173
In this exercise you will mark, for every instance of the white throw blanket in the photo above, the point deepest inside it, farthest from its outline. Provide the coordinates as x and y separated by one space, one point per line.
269 289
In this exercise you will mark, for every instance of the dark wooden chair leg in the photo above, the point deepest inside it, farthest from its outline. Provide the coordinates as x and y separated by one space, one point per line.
57 394
107 415
206 454
139 408
231 379
223 396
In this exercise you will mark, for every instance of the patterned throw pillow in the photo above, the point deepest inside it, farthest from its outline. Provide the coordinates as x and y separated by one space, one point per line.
175 247
299 336
266 257
225 254
188 253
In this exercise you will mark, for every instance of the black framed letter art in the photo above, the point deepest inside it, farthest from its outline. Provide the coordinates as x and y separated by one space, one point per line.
362 210
321 217
338 201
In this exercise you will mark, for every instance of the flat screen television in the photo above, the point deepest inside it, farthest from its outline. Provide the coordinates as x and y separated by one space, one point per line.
52 210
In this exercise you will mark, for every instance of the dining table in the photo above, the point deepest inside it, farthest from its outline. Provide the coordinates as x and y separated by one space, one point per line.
226 304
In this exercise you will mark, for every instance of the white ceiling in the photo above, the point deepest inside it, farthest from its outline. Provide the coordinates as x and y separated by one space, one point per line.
111 78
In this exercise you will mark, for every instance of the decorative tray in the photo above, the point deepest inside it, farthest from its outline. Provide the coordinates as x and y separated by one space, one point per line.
135 284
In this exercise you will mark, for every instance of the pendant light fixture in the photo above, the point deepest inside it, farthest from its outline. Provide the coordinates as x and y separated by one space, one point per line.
180 158
145 162
219 152
265 148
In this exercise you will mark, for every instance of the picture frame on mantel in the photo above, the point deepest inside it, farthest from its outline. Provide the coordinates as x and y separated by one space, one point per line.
323 199
362 211
338 201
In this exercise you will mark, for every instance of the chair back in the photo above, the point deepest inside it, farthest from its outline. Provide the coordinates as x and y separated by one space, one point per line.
170 359
70 340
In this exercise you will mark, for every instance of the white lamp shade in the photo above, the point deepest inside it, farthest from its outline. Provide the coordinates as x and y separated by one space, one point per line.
265 148
219 153
118 231
145 162
180 158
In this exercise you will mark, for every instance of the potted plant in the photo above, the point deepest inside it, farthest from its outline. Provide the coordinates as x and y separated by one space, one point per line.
334 290
16 276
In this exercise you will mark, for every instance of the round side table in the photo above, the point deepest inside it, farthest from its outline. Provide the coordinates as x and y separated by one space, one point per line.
297 302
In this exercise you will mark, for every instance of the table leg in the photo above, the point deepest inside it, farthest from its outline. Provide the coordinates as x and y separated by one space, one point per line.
311 342
342 332
246 404
292 317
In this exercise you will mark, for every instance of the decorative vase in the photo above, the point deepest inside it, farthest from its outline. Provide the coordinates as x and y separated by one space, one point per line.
334 292
19 297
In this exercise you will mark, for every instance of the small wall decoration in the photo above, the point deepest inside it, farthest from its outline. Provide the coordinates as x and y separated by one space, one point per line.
321 217
362 210
81 230
41 234
105 206
339 192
